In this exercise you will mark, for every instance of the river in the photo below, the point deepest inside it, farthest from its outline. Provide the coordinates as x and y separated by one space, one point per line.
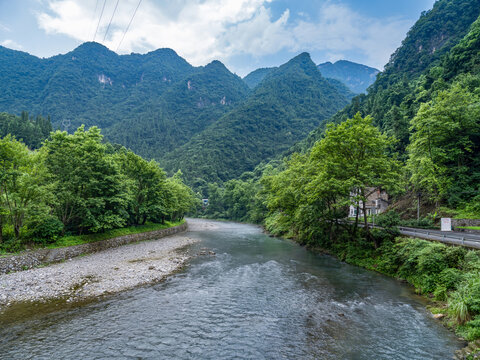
257 298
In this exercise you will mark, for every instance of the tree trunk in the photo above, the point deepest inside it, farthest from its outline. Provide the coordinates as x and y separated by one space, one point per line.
356 219
364 209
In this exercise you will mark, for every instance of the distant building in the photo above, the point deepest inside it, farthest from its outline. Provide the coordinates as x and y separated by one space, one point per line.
377 203
205 202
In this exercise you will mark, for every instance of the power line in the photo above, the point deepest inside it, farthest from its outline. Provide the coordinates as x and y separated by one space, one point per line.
108 27
94 13
130 23
99 19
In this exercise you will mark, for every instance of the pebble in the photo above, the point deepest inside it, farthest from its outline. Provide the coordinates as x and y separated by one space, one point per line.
109 271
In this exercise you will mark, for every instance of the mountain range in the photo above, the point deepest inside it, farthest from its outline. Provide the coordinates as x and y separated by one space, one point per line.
162 107
350 77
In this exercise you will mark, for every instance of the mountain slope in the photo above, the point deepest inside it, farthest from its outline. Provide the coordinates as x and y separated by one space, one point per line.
160 125
90 85
357 77
151 103
407 80
256 76
287 104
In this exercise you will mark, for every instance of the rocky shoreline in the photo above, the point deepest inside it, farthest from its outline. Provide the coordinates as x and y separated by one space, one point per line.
105 272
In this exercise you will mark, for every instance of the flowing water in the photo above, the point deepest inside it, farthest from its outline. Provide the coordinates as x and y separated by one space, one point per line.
258 298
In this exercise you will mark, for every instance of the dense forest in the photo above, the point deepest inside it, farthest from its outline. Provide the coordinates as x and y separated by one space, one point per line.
286 147
430 113
78 184
32 131
149 103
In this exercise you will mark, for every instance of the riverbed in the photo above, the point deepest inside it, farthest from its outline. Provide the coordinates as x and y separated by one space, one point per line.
244 295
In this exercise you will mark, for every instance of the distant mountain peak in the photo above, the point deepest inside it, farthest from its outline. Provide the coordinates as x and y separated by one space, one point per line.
216 65
302 61
90 48
163 52
356 77
256 76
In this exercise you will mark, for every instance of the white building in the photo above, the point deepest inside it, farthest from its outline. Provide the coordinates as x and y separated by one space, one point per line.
377 203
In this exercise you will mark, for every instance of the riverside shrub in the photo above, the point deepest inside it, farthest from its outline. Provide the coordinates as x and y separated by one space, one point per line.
440 271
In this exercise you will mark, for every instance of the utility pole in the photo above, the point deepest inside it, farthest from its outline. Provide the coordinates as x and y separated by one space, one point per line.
418 206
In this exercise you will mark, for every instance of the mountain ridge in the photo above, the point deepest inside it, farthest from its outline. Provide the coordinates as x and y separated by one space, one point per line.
289 101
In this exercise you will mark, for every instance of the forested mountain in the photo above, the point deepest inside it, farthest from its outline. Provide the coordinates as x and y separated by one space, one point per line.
159 125
349 77
152 103
290 100
425 108
357 77
90 85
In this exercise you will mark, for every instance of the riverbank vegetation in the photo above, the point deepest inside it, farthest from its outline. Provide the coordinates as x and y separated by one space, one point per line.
449 276
71 240
75 184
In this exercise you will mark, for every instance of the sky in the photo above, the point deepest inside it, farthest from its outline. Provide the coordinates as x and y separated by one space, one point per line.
243 34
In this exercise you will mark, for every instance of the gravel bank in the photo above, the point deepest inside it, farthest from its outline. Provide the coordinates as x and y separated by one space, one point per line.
105 272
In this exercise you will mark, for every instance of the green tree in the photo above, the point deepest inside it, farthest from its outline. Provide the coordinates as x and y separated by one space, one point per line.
90 191
354 157
180 199
23 190
445 142
146 188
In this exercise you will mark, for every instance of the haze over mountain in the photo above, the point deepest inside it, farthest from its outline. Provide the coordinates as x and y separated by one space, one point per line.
357 77
354 77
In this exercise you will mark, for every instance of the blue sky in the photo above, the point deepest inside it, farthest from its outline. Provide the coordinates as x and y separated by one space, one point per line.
243 34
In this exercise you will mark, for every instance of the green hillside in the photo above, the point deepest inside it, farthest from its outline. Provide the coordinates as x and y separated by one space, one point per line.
159 125
31 131
289 102
427 119
90 85
151 103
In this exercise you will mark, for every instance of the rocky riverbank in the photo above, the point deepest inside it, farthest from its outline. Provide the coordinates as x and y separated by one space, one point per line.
106 272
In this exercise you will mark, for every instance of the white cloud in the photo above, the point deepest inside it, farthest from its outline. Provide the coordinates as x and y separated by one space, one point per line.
11 44
4 28
203 30
339 29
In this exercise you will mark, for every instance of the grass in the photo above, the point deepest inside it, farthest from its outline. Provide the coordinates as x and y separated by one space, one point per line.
469 227
458 213
85 239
